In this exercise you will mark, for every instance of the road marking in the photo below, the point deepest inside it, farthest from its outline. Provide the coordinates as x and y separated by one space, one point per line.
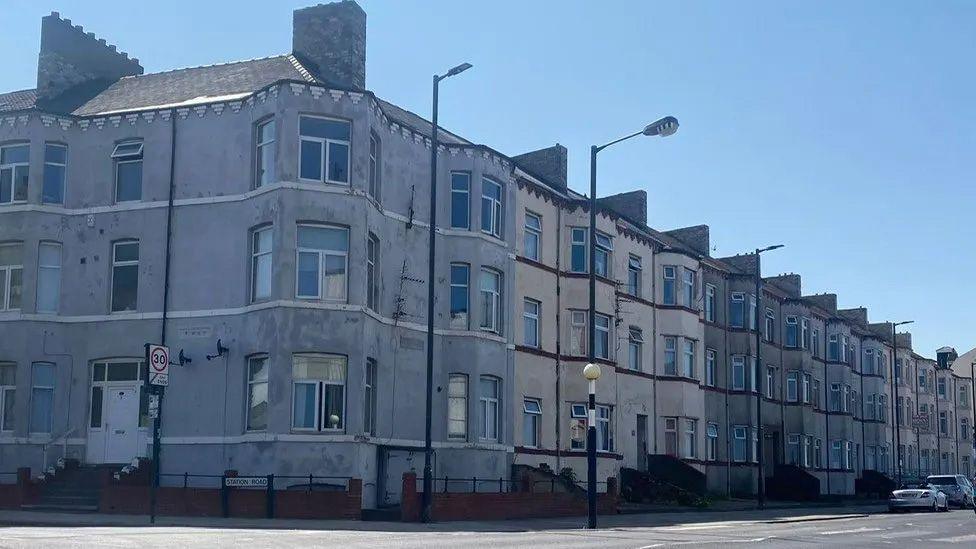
854 531
708 542
710 526
957 539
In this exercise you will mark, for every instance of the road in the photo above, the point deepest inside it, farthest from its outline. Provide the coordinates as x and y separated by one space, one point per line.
955 529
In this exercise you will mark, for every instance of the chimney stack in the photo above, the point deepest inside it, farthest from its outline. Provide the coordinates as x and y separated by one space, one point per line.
330 40
71 59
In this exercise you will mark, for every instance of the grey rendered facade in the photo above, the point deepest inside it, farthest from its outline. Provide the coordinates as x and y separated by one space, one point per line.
249 191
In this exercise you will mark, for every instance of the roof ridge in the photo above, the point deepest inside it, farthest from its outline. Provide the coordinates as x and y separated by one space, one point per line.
306 74
280 55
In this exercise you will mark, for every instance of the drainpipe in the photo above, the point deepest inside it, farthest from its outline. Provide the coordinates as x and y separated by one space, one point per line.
830 445
559 334
728 377
654 346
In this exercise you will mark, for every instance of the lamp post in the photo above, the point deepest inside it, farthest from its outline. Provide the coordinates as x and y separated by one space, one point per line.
663 127
592 373
756 371
894 404
428 473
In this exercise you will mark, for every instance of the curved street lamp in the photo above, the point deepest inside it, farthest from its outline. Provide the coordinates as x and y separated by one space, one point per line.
428 473
664 127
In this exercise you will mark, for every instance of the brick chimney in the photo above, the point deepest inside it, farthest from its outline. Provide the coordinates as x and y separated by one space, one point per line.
330 40
695 237
72 60
549 164
632 205
789 283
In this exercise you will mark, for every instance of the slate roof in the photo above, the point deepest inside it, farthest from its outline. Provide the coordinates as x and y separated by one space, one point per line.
18 100
193 85
201 85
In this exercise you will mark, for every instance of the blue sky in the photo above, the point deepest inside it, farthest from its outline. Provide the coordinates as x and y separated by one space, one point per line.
844 130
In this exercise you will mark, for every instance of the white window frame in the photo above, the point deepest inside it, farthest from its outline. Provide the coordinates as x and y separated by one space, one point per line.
635 272
322 255
793 386
740 298
770 382
670 279
582 245
769 326
740 437
35 387
671 437
603 326
8 391
491 320
533 232
497 218
325 152
256 258
62 165
321 420
126 263
635 349
711 442
490 410
459 323
738 363
532 418
7 276
466 191
688 358
259 147
12 167
370 383
530 319
670 356
457 381
690 438
375 167
711 357
372 272
604 247
579 333
604 424
122 154
709 303
252 384
689 282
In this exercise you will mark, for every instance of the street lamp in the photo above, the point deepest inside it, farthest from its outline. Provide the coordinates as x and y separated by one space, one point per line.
592 373
757 369
896 425
663 127
428 473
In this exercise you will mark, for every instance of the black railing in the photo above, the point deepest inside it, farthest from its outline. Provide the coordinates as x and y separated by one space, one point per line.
8 478
473 485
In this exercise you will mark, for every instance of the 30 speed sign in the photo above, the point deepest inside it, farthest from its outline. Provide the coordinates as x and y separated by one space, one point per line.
158 365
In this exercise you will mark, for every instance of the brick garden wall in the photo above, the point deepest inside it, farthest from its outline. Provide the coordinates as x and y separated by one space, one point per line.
246 503
501 505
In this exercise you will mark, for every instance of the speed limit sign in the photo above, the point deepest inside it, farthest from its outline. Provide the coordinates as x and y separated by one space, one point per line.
158 365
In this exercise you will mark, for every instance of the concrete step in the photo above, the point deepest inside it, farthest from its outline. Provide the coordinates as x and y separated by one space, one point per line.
61 508
382 514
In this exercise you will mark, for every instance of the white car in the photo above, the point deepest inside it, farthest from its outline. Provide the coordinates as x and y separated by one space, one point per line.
924 496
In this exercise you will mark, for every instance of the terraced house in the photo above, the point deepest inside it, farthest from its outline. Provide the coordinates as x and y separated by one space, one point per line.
267 220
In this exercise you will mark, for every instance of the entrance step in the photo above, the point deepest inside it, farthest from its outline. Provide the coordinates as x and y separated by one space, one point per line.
73 490
61 508
384 514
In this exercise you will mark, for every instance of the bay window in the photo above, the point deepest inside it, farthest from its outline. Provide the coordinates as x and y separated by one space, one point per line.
323 261
318 392
324 149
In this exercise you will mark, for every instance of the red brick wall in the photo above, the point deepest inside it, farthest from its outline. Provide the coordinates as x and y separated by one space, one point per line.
9 496
500 506
206 502
12 496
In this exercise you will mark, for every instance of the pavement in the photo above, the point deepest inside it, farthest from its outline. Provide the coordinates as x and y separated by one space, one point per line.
860 527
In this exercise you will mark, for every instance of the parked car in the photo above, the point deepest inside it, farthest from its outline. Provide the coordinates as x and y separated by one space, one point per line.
922 496
956 487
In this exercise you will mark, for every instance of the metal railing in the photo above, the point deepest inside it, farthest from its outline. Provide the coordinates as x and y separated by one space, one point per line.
309 482
8 478
474 485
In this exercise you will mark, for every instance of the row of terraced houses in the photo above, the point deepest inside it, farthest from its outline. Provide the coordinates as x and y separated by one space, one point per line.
280 207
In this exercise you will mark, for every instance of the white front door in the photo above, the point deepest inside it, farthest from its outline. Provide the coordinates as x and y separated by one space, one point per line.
121 424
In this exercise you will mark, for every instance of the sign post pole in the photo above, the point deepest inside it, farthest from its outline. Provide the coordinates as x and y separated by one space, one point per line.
157 364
